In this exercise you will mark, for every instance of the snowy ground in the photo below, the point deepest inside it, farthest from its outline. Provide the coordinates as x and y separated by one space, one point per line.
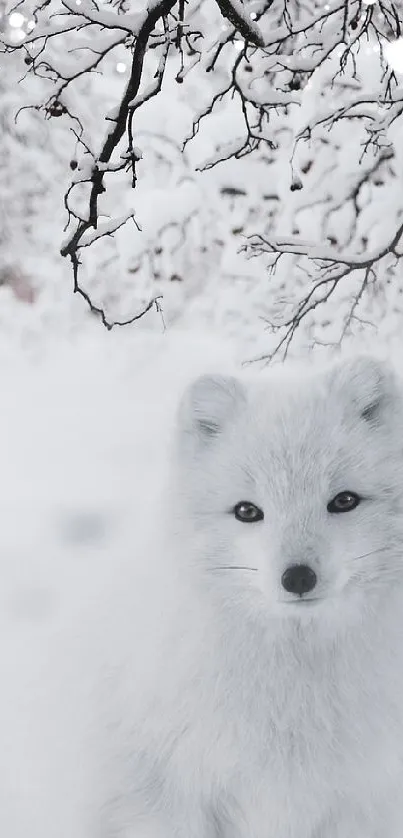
84 437
83 424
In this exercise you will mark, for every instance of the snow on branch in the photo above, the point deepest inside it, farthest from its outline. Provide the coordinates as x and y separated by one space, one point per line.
237 14
255 59
327 270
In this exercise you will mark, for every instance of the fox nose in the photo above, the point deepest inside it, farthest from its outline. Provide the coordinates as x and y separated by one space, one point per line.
299 579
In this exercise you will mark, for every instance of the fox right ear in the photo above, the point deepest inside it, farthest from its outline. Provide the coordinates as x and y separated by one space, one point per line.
369 385
208 406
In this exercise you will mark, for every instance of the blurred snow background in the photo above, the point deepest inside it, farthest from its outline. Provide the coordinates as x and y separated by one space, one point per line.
85 430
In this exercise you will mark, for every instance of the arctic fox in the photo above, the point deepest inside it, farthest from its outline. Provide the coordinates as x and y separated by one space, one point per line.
258 692
270 701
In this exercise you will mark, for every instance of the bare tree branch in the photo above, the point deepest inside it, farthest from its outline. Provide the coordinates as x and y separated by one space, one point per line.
329 269
261 63
127 106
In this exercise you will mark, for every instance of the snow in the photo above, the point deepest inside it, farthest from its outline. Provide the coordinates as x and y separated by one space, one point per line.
192 225
131 23
243 14
84 437
394 54
16 19
87 415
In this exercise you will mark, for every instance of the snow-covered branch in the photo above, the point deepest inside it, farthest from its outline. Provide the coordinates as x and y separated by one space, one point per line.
276 79
237 14
327 270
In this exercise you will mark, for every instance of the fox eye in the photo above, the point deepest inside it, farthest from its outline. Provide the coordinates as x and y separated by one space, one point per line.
247 512
343 502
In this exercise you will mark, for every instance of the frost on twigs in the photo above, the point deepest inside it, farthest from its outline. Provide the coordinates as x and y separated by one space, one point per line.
327 269
344 222
286 83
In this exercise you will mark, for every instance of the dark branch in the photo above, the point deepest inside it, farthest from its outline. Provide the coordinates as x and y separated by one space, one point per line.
234 11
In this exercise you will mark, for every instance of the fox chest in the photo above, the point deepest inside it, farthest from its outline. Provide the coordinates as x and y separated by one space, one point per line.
279 771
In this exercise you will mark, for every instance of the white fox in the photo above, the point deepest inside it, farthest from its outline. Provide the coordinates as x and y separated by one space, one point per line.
249 680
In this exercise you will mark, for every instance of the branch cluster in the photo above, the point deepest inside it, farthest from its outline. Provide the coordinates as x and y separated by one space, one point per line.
262 57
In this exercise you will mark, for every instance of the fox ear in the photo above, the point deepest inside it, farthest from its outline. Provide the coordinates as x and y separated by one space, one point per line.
209 405
370 385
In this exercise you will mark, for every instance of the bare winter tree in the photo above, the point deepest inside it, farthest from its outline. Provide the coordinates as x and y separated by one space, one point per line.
278 80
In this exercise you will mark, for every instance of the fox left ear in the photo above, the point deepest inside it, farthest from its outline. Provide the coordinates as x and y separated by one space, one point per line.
208 406
370 384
